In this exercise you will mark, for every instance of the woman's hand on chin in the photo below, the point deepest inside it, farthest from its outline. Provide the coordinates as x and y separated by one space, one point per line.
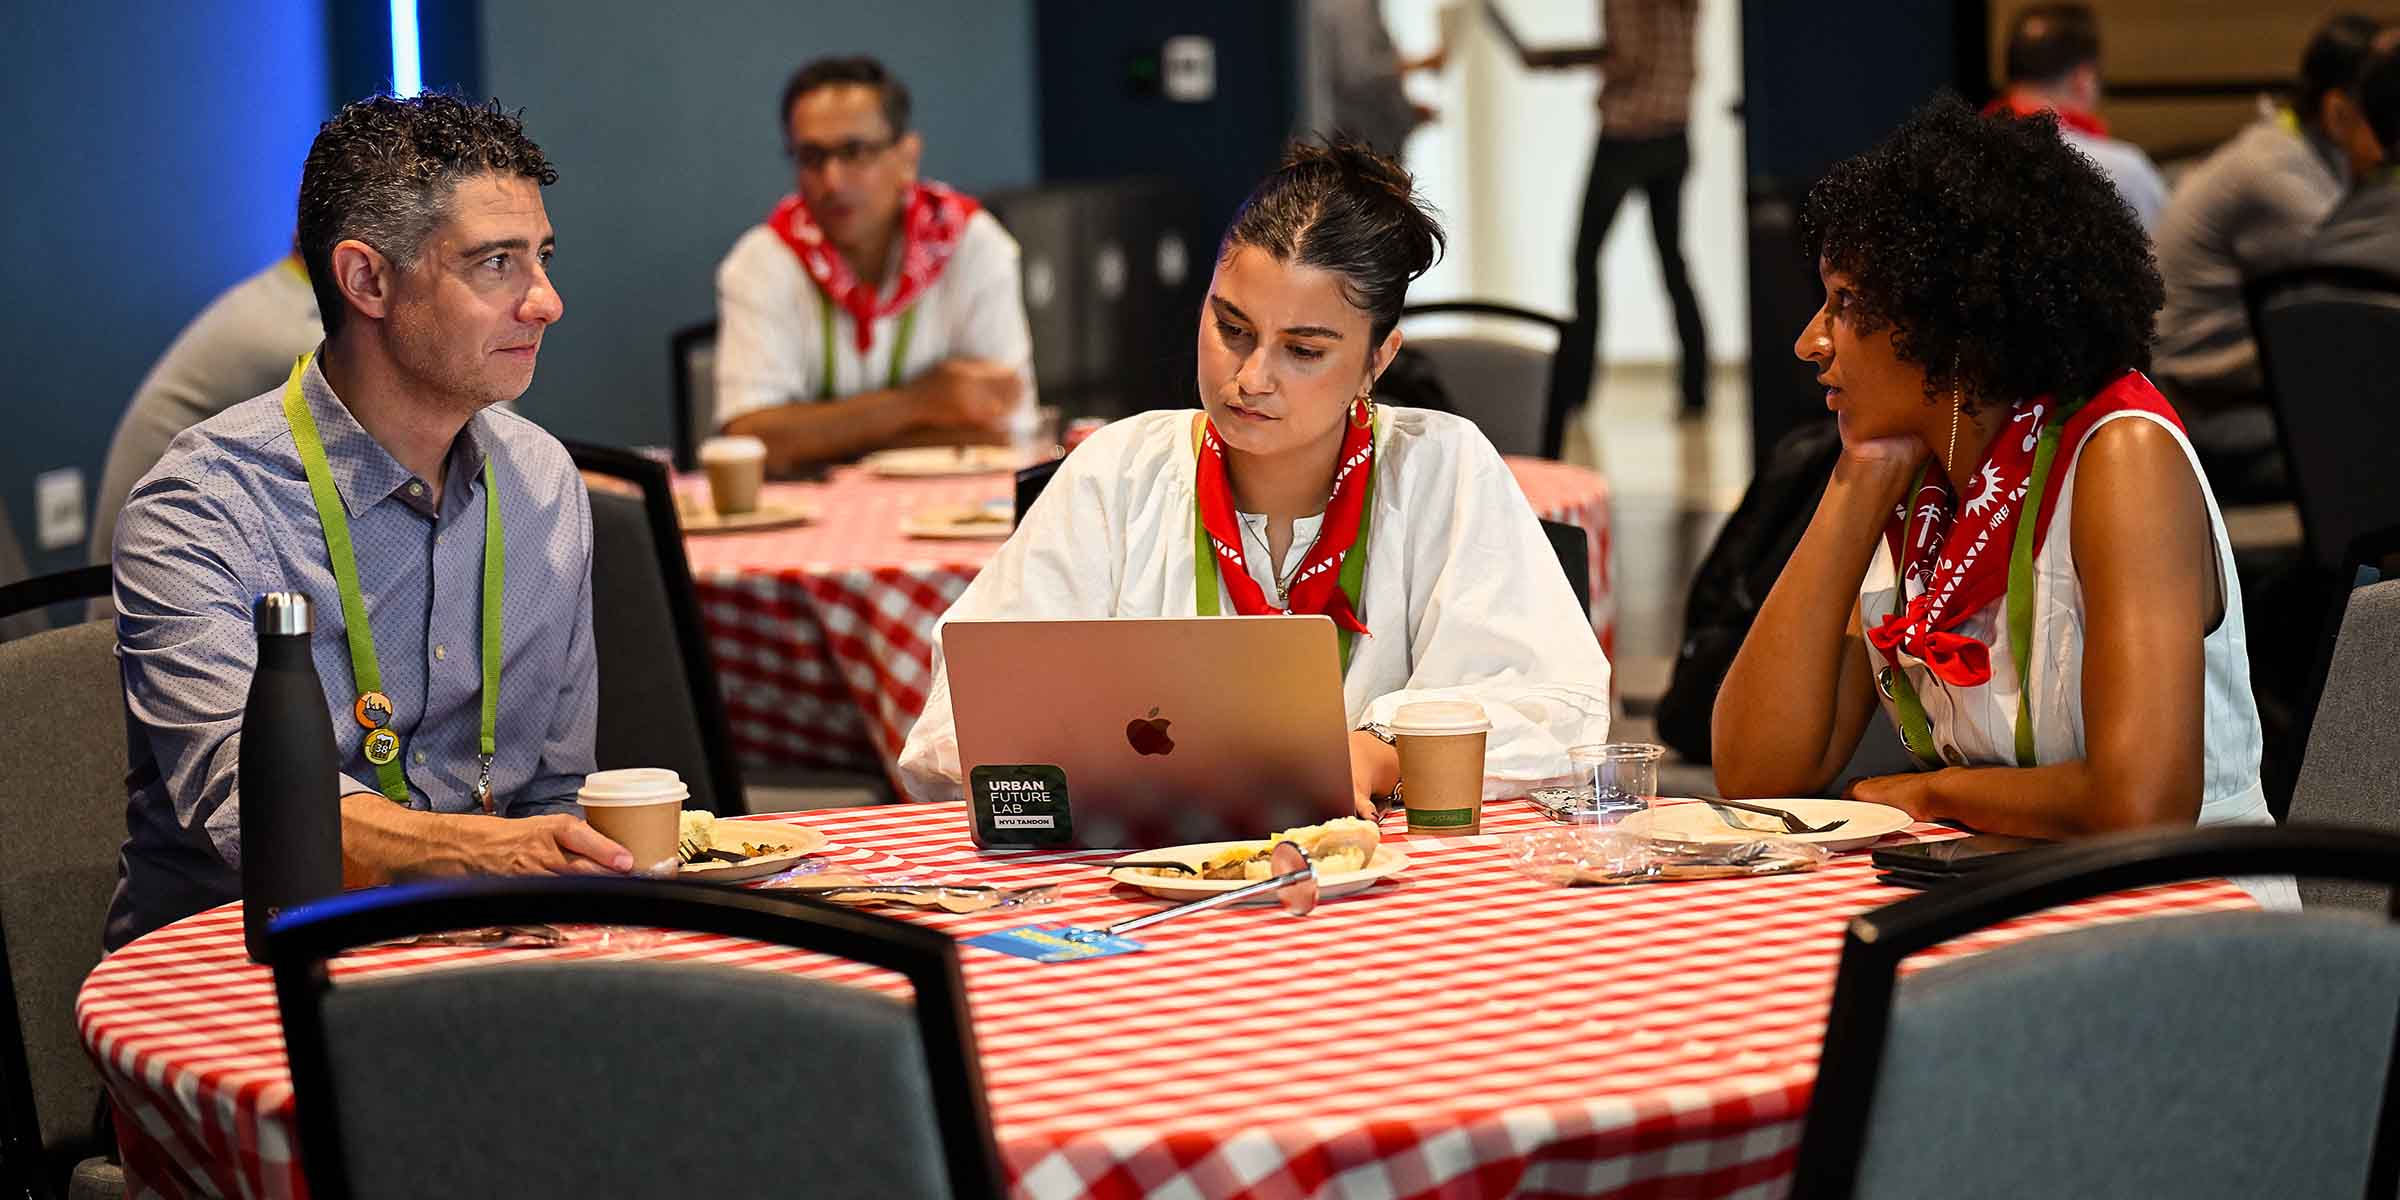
1899 454
1878 470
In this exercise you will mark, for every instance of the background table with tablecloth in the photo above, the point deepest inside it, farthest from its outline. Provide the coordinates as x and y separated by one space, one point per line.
822 632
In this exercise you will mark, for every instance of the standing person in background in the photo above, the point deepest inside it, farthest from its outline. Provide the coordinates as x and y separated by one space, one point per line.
2240 214
1645 57
240 345
1355 74
870 309
2053 65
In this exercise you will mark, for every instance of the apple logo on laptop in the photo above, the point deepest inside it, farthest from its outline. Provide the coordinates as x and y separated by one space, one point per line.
1148 735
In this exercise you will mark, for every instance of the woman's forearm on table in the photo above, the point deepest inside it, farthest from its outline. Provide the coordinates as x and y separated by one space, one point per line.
1781 708
2057 800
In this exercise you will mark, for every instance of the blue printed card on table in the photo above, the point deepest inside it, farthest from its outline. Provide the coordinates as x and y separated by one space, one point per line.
1055 943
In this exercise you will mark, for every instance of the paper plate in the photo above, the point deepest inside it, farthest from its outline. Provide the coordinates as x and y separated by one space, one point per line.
768 515
1167 885
960 522
934 462
1686 819
726 834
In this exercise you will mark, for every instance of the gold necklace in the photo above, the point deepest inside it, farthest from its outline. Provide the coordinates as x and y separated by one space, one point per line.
1283 579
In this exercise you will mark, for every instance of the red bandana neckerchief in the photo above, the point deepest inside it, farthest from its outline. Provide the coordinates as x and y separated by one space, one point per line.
1951 569
1317 588
2013 105
930 228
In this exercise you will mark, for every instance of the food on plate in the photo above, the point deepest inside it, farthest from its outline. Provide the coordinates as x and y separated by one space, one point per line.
697 837
1340 845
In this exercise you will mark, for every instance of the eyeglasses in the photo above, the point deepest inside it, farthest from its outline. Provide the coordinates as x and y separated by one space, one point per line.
850 153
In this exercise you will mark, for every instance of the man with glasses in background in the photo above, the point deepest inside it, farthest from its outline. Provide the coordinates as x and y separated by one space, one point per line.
870 309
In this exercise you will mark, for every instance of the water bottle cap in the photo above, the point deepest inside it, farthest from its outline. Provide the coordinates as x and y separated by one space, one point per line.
281 614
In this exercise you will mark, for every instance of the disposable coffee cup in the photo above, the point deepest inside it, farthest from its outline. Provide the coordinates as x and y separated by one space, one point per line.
736 467
1441 765
641 809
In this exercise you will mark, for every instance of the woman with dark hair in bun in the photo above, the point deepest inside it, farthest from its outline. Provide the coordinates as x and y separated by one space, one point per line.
1402 525
2017 555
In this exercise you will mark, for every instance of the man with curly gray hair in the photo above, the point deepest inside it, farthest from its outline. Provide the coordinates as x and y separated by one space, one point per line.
436 536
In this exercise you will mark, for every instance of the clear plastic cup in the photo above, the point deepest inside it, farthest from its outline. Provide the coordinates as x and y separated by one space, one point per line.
1621 777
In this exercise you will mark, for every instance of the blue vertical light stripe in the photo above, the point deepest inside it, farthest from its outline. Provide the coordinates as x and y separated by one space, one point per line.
408 70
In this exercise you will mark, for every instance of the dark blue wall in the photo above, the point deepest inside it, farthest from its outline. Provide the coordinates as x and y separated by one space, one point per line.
153 156
662 122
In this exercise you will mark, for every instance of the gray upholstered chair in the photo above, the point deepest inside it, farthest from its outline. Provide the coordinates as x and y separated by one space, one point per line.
2232 1054
1497 378
659 701
12 570
625 1077
62 823
2351 774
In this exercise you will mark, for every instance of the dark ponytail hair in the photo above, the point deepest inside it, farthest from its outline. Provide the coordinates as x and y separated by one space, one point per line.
1341 207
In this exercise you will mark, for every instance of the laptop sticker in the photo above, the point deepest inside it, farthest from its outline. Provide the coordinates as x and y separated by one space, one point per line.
1020 804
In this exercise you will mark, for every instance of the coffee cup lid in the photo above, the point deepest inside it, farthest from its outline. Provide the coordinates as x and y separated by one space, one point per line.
736 448
1435 717
633 785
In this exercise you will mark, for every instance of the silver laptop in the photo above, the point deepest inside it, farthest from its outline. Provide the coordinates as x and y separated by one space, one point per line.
1142 732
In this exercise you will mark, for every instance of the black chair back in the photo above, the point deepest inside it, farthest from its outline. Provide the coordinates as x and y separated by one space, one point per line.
1030 482
660 705
2329 348
1113 271
62 824
625 1077
1574 549
1849 1146
22 600
1509 389
692 381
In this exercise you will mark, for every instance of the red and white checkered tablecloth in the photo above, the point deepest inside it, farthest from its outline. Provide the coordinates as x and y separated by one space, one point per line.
822 632
1458 1030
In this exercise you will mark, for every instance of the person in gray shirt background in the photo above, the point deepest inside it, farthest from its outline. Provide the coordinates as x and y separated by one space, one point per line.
2364 228
2242 212
242 344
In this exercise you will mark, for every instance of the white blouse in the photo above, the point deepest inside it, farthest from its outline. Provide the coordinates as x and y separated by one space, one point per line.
1463 597
1978 726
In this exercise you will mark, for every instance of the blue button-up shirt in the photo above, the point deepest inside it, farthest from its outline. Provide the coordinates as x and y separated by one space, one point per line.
227 515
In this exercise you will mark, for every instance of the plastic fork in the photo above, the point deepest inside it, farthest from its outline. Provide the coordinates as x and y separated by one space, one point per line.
1791 822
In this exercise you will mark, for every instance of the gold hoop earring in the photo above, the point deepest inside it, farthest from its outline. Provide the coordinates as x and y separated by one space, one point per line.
1362 413
1957 402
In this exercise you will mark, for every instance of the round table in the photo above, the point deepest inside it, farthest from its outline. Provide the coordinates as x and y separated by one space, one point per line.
822 633
1458 1029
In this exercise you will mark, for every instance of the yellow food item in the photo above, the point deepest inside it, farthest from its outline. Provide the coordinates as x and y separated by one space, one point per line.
1338 846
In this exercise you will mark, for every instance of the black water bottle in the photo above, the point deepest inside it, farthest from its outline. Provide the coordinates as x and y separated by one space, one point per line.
291 814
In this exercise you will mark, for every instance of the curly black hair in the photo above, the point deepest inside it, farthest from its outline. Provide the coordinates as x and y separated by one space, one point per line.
2003 259
382 171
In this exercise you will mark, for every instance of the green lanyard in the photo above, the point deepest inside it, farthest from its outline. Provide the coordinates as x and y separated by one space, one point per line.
1915 729
365 674
1206 589
908 325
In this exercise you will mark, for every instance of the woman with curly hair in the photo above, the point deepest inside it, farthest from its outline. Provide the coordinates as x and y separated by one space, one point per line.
2056 667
